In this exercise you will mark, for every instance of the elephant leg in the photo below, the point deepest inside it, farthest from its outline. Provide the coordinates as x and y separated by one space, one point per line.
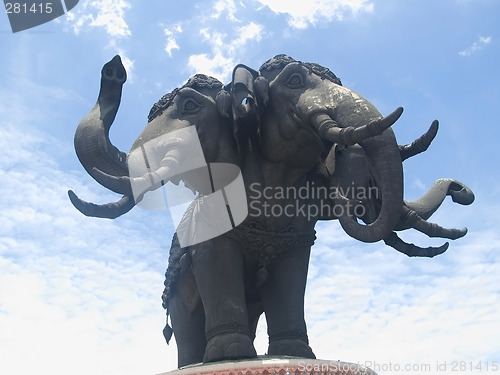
283 300
218 268
188 320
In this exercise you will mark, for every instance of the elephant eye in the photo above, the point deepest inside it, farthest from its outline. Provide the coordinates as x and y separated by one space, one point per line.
295 81
191 106
120 74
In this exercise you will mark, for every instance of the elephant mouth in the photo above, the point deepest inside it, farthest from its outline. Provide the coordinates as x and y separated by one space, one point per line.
295 117
306 121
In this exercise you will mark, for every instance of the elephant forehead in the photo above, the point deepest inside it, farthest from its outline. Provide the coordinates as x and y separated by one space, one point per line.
159 127
328 96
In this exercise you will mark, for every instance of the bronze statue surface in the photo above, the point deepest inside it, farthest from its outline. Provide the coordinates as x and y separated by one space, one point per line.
268 155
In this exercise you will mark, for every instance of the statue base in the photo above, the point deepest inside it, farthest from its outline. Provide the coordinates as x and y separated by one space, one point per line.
275 366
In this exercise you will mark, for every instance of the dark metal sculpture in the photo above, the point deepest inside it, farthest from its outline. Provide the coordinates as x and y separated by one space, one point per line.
290 127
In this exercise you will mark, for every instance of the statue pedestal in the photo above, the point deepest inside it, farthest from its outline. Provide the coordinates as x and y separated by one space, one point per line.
275 366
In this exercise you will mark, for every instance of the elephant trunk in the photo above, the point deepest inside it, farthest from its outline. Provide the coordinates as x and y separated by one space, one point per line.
92 144
383 152
242 92
245 111
249 93
96 152
143 180
329 130
430 201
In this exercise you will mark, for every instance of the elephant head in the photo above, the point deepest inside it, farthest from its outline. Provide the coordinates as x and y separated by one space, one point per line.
355 178
308 104
186 128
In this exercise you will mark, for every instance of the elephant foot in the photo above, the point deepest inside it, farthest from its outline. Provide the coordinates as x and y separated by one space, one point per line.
229 346
290 347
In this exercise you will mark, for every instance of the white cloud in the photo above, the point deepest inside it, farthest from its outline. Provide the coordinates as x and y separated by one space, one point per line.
220 43
224 49
111 16
171 34
418 184
225 6
77 23
127 63
478 45
217 65
108 14
303 13
89 316
247 33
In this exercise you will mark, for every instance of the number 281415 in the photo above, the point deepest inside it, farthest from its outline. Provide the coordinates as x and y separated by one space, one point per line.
23 8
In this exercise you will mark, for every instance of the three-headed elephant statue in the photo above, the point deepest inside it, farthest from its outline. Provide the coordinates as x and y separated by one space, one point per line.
304 147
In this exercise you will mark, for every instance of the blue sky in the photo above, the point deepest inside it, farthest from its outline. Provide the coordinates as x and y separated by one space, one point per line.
82 295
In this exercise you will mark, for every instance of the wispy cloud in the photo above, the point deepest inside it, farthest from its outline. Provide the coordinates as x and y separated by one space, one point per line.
225 6
111 17
227 41
106 14
304 13
171 34
224 49
418 184
478 45
221 38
